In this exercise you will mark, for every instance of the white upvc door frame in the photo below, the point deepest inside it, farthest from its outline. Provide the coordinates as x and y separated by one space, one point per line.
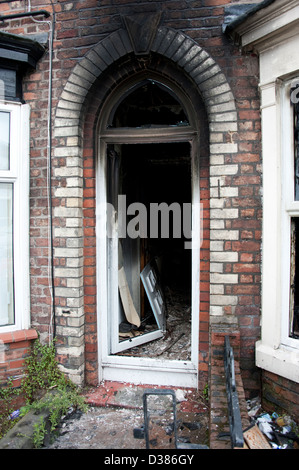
140 369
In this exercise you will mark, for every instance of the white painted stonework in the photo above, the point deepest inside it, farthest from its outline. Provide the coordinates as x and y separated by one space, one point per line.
273 33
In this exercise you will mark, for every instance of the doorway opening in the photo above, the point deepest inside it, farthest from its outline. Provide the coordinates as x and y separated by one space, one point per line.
148 235
153 186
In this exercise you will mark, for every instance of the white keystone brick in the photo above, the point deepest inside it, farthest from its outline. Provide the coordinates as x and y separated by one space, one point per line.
74 262
79 80
74 302
68 252
217 224
223 300
61 211
84 73
73 222
221 107
74 182
216 310
227 278
68 192
74 202
217 289
68 292
229 191
66 122
66 113
216 245
224 213
218 99
74 242
72 141
216 203
72 97
224 235
66 131
75 160
207 70
222 170
216 267
68 171
69 105
223 126
75 89
217 90
74 282
215 181
75 321
224 148
68 232
66 152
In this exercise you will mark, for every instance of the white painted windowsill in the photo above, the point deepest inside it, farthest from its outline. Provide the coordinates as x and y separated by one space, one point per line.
282 361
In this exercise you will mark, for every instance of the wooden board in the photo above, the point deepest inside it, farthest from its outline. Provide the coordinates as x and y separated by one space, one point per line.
255 439
128 305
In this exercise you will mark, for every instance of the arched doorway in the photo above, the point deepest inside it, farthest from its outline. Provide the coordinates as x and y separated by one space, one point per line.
195 71
148 234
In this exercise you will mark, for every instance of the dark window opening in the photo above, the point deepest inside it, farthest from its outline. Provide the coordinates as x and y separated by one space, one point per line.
149 104
10 85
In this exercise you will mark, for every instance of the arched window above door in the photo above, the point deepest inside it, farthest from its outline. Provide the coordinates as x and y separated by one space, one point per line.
148 104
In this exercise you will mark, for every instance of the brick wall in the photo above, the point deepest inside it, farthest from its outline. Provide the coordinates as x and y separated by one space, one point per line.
14 348
280 394
86 33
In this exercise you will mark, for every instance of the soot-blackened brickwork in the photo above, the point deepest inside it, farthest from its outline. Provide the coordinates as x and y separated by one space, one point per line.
93 50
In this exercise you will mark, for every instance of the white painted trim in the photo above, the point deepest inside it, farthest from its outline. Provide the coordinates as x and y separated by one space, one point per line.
20 177
274 352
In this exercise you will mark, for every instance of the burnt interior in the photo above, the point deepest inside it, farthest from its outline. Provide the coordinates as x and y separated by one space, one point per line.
161 173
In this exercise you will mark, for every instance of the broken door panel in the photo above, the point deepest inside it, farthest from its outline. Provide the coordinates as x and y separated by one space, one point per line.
149 277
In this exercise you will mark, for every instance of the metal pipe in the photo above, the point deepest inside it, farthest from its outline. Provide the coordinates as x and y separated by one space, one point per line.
23 15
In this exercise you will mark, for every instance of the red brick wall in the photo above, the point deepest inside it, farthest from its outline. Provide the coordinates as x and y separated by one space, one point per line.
79 26
14 348
280 394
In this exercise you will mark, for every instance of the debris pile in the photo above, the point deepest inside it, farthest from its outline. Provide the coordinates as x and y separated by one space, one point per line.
176 343
279 431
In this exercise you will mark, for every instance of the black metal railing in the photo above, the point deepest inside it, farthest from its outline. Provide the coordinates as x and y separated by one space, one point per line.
235 423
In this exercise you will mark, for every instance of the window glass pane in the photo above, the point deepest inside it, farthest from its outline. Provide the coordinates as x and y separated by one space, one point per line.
294 294
6 255
295 101
4 140
149 104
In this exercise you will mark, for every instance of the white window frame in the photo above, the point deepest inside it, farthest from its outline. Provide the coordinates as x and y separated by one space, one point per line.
289 209
276 351
18 175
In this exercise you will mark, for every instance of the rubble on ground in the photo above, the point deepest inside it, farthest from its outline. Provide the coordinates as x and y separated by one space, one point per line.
280 430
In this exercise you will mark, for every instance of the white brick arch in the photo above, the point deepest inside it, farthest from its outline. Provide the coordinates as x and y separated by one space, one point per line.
221 110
